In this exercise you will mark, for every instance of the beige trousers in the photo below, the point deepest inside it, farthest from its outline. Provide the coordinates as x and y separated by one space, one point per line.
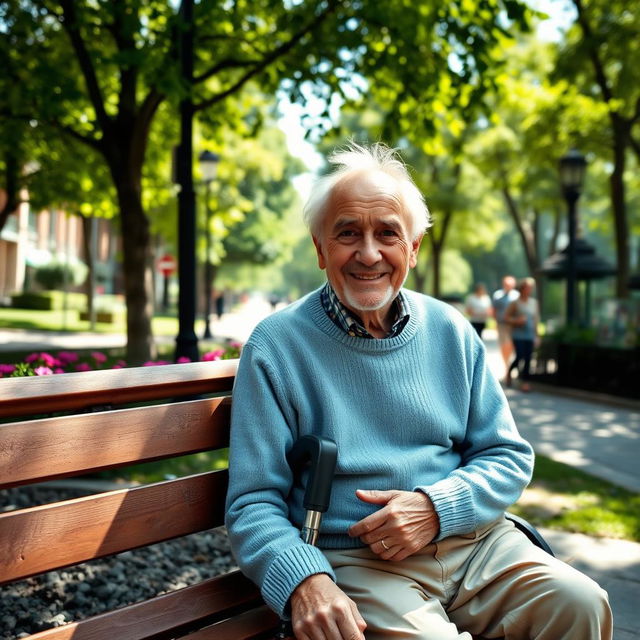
492 583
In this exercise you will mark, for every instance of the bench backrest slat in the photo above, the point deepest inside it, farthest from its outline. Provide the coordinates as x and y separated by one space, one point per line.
77 391
165 614
52 536
49 448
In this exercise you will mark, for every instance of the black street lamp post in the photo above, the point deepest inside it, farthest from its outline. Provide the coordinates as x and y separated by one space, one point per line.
572 170
208 167
186 340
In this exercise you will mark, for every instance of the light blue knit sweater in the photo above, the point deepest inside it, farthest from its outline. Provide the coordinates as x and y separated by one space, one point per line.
420 411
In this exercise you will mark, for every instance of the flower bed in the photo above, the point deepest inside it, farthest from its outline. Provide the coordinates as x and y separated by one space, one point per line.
42 363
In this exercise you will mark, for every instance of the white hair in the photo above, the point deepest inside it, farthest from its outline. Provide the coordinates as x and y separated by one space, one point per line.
354 159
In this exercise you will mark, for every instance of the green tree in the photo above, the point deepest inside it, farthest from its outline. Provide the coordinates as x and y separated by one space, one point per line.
109 66
600 57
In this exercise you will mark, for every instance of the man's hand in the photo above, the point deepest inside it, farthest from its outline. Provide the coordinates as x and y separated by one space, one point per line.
320 610
405 524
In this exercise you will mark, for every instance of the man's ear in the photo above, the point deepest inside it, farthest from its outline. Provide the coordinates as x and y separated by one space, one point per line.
415 247
321 262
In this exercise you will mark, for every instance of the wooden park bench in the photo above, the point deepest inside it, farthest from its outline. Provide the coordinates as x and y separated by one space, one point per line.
60 426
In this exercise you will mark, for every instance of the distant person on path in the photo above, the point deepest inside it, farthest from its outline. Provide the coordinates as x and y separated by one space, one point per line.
522 316
415 543
501 299
478 307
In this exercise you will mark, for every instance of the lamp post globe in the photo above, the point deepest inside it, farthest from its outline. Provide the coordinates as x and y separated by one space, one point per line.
208 162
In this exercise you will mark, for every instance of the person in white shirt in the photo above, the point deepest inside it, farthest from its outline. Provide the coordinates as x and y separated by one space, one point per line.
478 307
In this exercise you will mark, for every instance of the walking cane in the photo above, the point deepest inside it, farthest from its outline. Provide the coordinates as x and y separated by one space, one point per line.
321 454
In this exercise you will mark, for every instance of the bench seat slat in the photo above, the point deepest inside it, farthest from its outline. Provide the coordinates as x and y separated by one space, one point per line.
76 391
162 616
52 536
250 625
49 448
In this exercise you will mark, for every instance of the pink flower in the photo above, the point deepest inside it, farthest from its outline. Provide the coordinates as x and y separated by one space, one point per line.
98 357
66 357
213 355
183 359
83 366
43 371
235 345
7 369
58 370
46 358
155 363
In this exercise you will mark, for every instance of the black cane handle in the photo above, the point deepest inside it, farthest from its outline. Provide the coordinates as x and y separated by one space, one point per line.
322 454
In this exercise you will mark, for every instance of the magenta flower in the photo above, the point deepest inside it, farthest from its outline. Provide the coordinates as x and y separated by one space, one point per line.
66 357
43 371
183 359
32 357
98 357
7 369
83 366
213 355
58 370
121 364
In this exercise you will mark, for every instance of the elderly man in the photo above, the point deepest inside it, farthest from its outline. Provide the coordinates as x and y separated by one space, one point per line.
415 544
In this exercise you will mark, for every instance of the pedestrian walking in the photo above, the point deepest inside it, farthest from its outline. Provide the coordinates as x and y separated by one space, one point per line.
501 299
522 316
478 307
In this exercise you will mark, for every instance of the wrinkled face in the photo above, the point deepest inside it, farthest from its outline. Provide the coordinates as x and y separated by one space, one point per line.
365 243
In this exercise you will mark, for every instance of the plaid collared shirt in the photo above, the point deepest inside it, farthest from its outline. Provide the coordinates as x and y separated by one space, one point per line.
351 324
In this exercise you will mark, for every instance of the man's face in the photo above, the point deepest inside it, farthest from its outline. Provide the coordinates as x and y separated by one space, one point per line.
365 242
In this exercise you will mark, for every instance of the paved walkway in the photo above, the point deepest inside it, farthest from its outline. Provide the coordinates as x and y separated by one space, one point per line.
597 434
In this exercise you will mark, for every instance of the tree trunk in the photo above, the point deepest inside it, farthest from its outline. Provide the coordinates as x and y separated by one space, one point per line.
436 251
87 238
138 282
618 206
11 188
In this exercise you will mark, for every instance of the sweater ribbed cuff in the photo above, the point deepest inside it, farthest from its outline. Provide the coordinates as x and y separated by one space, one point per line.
288 570
453 503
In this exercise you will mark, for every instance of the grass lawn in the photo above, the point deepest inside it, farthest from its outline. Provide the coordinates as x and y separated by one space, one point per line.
561 497
58 320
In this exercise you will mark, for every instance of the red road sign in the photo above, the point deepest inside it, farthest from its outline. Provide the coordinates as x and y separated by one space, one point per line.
167 264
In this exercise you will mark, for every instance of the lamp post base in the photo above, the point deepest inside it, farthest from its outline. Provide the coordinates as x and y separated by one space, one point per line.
187 346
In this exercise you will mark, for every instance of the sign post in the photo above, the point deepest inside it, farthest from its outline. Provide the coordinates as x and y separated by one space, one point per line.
167 266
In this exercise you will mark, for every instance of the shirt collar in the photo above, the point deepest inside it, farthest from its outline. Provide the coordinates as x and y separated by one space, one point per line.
350 323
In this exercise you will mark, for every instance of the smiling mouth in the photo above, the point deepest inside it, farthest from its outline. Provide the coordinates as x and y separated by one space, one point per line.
368 276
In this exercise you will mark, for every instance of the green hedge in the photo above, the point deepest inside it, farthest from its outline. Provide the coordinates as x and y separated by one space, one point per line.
48 300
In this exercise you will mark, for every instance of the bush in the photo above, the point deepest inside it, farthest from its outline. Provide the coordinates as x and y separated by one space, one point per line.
55 274
48 300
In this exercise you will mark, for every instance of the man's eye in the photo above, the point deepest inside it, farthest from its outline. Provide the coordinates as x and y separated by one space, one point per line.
389 233
346 233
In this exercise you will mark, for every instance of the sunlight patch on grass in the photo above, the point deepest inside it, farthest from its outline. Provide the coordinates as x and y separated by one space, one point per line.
561 497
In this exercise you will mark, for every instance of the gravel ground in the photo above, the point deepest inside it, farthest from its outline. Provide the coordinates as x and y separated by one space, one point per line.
58 597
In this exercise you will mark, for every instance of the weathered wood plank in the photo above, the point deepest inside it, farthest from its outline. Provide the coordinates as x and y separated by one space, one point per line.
52 536
38 450
78 391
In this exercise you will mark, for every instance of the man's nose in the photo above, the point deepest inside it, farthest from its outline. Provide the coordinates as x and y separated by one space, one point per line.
368 251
